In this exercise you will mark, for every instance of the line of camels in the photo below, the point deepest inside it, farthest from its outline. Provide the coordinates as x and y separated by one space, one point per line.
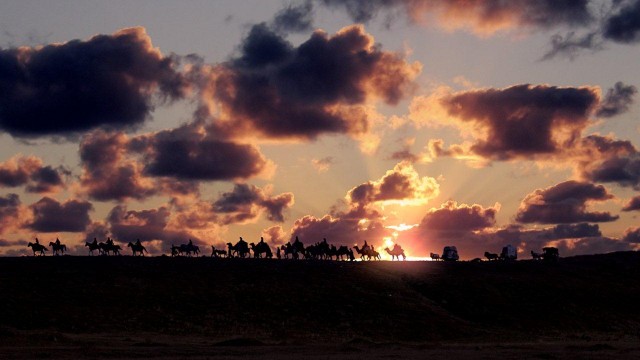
296 250
241 249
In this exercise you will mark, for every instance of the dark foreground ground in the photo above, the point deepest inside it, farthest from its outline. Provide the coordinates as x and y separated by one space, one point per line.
124 307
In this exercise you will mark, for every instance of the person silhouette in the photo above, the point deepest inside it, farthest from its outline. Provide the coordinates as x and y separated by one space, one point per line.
37 241
278 252
95 241
109 241
190 243
261 240
138 243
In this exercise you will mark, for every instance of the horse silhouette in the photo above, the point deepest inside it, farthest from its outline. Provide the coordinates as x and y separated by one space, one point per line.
108 247
137 248
490 256
57 247
218 253
38 248
434 256
93 246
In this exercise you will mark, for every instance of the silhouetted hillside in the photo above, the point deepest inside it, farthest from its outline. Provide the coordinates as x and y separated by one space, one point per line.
292 302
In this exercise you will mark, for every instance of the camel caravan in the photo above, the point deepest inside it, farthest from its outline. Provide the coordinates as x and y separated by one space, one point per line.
292 250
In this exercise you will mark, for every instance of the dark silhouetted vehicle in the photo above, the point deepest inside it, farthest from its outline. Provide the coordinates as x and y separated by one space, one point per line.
550 254
450 253
509 252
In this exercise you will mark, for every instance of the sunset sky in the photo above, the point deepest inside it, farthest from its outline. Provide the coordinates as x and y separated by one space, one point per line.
424 123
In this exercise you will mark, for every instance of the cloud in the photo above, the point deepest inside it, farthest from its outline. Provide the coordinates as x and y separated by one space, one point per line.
479 16
451 217
322 165
108 173
341 227
98 230
624 26
402 185
294 18
604 159
590 245
633 204
10 212
275 235
146 225
279 91
522 120
192 152
572 44
69 88
52 216
619 23
29 171
246 202
632 235
617 100
564 203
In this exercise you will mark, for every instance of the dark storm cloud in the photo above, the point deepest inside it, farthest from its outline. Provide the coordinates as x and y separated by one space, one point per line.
633 204
523 120
632 235
459 218
617 100
590 245
191 153
620 23
30 172
624 171
49 215
572 231
605 159
282 91
479 15
624 26
564 203
294 18
96 230
246 202
64 89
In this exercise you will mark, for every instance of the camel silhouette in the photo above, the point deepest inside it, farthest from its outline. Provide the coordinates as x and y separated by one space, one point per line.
240 249
396 252
367 251
261 248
